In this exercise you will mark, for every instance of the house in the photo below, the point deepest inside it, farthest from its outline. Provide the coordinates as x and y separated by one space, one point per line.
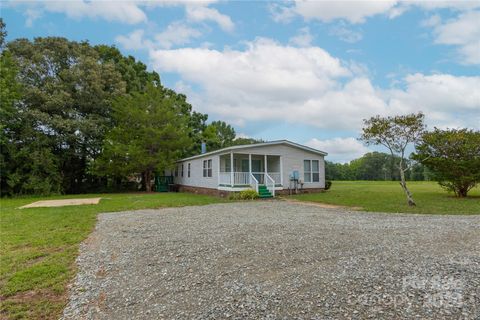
276 166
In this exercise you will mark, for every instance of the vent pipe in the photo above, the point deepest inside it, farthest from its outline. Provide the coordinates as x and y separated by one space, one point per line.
204 147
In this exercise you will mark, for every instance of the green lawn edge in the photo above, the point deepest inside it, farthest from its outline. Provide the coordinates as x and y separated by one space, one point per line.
388 197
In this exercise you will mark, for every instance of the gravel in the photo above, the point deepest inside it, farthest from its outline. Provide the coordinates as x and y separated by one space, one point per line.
277 260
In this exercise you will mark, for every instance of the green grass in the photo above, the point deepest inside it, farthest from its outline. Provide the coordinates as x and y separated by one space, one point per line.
388 196
38 247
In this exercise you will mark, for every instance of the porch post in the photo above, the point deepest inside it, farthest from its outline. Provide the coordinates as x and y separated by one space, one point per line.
219 165
250 168
281 171
231 169
265 166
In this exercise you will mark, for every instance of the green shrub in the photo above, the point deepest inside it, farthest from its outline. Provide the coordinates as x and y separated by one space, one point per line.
243 195
234 196
249 195
328 184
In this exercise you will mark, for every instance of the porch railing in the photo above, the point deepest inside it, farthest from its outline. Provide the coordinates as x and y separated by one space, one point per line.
270 184
244 178
276 176
253 182
225 179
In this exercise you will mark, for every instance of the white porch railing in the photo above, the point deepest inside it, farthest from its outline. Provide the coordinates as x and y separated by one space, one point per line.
270 184
244 178
254 182
276 176
241 178
225 179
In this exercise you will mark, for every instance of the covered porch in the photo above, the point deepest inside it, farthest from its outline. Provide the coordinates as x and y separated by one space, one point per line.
238 170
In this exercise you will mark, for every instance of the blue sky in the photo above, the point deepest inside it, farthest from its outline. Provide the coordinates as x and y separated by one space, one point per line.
307 71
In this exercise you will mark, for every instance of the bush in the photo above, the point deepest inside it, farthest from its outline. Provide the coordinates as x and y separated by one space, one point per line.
244 195
249 195
328 184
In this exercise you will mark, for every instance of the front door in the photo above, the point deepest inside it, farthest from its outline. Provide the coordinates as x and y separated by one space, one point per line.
257 168
244 165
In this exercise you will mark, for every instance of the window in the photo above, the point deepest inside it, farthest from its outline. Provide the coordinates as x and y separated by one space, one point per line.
207 168
176 171
307 171
315 171
182 170
311 171
188 170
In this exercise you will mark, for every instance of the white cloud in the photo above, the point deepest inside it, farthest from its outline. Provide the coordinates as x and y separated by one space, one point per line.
464 32
199 13
303 38
134 41
345 34
432 21
176 33
271 83
340 149
31 14
449 101
122 11
327 11
358 11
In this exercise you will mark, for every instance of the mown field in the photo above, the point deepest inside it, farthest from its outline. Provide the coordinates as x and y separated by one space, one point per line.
38 247
387 196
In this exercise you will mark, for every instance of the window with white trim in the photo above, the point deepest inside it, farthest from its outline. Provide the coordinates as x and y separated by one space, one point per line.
207 168
176 171
182 170
188 170
311 171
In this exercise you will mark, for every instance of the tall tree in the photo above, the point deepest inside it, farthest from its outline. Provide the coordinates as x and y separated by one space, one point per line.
65 106
225 133
134 73
396 134
241 141
151 132
454 158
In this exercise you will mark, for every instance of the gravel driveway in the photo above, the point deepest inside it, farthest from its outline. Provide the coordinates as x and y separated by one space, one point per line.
277 260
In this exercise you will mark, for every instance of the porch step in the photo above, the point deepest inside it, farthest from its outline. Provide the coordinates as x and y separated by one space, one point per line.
263 192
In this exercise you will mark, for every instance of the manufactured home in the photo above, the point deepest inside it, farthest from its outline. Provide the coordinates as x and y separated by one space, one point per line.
276 166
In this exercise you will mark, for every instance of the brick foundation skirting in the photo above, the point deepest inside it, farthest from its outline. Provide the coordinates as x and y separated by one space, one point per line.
202 190
224 193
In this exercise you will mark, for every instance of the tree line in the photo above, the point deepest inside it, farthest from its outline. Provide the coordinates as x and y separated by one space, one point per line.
376 166
80 118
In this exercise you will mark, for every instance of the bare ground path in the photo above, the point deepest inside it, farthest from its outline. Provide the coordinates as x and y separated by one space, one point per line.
277 260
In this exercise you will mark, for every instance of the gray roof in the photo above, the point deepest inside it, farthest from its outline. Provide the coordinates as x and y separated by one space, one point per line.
262 144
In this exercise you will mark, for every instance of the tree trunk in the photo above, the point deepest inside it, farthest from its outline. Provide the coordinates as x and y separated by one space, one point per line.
410 200
148 181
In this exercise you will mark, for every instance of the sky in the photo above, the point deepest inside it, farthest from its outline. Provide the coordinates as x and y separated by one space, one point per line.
306 71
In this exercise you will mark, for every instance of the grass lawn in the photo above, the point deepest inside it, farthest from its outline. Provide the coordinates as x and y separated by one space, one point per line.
388 196
38 247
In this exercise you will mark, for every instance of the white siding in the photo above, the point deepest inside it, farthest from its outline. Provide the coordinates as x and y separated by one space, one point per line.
291 158
196 173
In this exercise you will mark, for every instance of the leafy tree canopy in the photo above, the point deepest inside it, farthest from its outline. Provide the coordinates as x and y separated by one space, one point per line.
150 133
453 155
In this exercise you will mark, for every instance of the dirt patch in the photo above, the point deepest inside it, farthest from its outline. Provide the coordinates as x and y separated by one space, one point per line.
322 205
61 203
